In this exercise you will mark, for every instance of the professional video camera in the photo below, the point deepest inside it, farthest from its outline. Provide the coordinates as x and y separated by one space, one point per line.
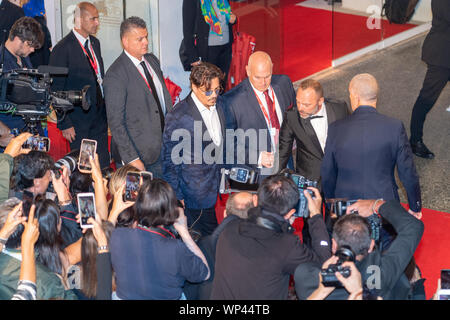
238 179
27 92
302 184
328 275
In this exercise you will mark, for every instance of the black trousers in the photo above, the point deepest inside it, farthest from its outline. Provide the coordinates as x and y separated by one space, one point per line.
201 220
221 57
435 81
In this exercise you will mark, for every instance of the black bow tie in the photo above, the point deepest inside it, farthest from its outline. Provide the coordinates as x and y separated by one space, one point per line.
314 117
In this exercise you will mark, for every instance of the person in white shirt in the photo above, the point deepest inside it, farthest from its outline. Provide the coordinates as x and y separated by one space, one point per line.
193 143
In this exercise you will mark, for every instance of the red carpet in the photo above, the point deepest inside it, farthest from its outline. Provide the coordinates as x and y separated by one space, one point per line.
302 41
433 253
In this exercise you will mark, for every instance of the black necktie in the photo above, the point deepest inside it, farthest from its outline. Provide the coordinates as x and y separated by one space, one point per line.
86 46
155 94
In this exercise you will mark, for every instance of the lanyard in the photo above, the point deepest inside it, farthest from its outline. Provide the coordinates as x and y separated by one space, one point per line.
151 230
94 63
264 109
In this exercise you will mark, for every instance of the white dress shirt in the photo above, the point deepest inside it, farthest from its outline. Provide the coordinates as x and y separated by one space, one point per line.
158 85
320 126
211 119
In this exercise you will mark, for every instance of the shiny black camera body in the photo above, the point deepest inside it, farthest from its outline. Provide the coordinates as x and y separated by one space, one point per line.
328 275
302 184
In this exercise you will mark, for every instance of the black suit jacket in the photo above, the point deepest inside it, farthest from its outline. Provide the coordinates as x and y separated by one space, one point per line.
242 111
387 269
9 13
361 155
133 115
309 152
436 48
69 54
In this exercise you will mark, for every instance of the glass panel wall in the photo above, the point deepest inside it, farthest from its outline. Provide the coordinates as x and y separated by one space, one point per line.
362 24
112 13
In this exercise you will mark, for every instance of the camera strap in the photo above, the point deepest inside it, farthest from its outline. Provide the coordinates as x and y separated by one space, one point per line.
161 231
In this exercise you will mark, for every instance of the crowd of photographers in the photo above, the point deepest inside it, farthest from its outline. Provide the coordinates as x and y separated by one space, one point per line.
144 249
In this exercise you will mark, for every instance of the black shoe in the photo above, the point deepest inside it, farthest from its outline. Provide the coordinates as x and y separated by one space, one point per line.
421 150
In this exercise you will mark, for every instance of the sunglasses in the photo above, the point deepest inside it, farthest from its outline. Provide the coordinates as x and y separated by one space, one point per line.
210 92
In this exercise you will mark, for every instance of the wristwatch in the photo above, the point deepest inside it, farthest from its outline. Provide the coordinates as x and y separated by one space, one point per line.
103 248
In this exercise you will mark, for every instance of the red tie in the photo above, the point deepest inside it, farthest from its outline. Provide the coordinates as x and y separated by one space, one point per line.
272 113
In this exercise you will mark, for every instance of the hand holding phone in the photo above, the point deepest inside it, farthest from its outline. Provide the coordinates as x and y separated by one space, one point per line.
88 150
86 209
132 186
37 143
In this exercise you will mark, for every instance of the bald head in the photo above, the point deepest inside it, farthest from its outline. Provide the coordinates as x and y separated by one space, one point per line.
259 70
363 90
86 19
239 203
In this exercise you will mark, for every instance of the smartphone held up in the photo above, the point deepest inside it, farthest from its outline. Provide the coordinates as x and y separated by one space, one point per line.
86 209
88 149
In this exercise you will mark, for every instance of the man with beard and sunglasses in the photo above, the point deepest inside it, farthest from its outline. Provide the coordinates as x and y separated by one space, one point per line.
192 148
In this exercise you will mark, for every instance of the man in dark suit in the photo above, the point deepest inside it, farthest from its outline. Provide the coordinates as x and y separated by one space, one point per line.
9 13
257 106
80 52
363 150
194 171
436 53
307 125
137 101
382 273
24 38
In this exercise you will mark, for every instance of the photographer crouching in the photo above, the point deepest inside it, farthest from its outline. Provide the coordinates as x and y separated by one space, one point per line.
382 273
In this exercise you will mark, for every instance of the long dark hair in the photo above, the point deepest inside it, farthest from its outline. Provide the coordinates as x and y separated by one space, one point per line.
156 204
89 249
49 244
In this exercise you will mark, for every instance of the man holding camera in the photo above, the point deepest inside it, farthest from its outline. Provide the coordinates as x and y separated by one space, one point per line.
255 257
80 52
25 36
383 273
